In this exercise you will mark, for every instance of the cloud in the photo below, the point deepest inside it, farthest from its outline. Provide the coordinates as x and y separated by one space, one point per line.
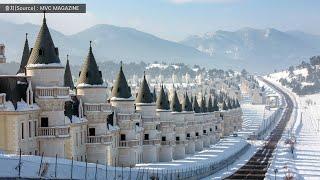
201 1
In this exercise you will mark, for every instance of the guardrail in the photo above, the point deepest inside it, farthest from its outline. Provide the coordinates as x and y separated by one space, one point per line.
53 131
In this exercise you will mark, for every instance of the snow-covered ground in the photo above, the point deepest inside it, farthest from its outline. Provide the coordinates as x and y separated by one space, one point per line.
255 118
304 162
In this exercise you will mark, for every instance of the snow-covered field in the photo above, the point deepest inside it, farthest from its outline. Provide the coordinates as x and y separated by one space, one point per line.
304 162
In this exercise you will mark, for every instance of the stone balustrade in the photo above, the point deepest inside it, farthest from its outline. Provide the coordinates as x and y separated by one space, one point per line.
151 142
168 143
151 119
53 131
99 139
128 117
129 143
96 107
52 92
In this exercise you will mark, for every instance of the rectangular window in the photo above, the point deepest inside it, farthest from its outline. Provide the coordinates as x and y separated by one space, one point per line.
77 140
188 134
44 122
197 134
210 129
92 131
216 127
122 137
177 138
204 131
22 130
35 128
146 136
81 142
29 129
163 138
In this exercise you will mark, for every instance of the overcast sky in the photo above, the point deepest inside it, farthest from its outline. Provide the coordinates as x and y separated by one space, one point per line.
176 19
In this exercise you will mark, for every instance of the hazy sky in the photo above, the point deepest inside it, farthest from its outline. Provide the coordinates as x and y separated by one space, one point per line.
176 19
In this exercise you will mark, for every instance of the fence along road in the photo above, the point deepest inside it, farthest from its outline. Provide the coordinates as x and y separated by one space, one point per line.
257 166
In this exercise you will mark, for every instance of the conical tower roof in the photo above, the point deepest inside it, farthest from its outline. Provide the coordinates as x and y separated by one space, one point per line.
224 106
68 82
237 103
210 105
175 105
154 94
120 88
215 104
144 94
44 51
229 104
186 104
25 56
203 105
90 73
195 105
162 100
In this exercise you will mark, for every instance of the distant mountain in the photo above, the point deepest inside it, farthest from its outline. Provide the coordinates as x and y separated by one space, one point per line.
258 50
110 43
254 49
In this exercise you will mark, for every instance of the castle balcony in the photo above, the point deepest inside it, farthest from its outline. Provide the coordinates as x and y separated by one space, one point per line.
53 132
168 143
181 142
99 139
129 143
167 124
103 107
150 120
52 92
191 138
151 142
129 117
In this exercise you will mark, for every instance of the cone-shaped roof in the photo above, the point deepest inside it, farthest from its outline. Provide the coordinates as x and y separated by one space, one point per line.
144 94
154 94
90 73
203 105
120 88
195 105
44 51
68 82
175 105
210 106
186 104
25 56
215 104
229 104
237 103
224 106
162 100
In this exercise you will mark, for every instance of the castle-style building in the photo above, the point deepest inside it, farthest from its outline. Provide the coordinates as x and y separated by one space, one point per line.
42 112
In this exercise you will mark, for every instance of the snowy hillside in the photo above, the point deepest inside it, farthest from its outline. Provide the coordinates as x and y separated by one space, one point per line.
257 50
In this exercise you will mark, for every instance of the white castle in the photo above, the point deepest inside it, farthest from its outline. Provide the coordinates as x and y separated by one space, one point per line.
41 112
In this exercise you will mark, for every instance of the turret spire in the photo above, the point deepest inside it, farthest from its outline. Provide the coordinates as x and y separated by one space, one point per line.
186 104
144 95
195 105
44 51
25 56
175 105
68 82
120 88
90 73
162 100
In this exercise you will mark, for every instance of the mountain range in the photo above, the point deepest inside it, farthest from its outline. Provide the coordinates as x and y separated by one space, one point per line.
257 50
